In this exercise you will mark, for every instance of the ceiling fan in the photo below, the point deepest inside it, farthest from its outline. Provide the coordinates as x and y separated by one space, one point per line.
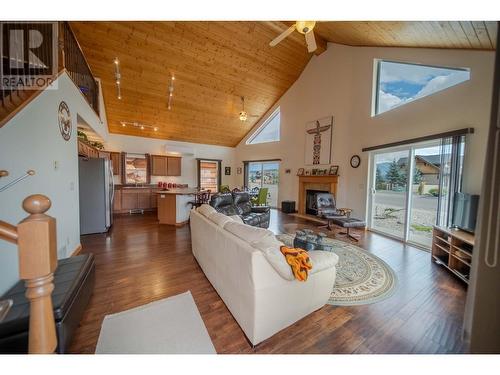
303 27
243 114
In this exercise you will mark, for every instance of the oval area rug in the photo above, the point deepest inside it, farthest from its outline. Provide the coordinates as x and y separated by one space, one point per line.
362 277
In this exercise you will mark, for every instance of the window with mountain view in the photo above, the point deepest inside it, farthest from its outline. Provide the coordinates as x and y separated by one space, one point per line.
401 83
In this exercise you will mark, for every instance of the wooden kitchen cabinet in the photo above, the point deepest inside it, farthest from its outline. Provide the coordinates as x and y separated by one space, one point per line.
154 199
116 161
117 202
174 166
129 199
144 199
158 165
165 165
86 150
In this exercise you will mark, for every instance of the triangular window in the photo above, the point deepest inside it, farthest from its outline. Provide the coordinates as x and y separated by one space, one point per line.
401 83
269 131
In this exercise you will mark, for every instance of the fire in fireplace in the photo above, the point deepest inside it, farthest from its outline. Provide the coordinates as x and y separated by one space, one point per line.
311 208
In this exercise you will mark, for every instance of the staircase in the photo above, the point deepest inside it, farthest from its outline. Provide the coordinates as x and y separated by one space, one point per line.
70 59
11 102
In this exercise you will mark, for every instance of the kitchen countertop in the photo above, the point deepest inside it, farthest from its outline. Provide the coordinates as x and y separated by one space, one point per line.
185 191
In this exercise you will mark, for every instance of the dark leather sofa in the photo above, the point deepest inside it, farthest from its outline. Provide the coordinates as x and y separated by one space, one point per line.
73 287
238 203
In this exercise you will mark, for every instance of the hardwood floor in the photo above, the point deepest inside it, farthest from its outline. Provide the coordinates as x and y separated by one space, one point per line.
140 261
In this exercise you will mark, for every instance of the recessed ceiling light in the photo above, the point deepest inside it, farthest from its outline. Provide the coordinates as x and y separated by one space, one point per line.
155 129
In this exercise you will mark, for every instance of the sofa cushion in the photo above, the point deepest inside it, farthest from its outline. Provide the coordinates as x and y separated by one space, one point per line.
270 247
206 210
220 219
322 260
247 233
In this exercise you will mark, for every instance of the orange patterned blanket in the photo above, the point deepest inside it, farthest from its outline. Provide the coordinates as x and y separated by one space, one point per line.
299 260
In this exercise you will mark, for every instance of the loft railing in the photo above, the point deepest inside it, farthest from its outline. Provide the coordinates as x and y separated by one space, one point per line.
35 237
77 67
69 57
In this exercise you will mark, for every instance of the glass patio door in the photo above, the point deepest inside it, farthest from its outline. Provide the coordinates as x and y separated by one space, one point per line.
264 175
413 186
389 196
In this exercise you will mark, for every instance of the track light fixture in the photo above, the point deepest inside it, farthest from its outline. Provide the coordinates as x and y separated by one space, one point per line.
139 125
118 77
170 91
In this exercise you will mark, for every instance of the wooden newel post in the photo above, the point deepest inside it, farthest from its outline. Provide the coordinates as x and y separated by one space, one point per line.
37 263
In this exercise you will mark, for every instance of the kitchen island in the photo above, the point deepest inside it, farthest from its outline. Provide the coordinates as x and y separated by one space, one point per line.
173 207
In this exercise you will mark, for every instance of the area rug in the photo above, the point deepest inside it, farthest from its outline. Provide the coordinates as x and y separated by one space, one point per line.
170 326
362 277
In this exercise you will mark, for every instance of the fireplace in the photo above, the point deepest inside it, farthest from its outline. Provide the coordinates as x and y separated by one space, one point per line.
311 208
327 184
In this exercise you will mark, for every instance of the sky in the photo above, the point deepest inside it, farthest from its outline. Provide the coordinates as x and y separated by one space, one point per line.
403 83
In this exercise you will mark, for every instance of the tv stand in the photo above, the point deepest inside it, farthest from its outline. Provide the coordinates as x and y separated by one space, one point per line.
452 248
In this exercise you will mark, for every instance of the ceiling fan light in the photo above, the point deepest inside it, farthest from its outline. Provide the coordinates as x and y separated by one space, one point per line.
243 116
304 27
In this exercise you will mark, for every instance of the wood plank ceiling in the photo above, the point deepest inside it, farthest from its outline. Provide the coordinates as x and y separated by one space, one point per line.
215 63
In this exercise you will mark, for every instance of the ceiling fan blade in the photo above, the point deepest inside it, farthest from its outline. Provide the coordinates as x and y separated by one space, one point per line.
311 41
282 36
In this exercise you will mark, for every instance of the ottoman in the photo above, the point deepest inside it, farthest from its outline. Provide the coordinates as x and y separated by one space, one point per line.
348 223
74 283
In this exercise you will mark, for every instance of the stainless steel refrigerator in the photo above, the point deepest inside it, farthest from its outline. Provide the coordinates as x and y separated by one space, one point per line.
96 187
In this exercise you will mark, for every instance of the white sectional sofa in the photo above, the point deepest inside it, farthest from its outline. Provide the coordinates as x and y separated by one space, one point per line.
245 266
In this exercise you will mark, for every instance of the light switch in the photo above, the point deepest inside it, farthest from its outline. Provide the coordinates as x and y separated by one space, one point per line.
72 186
56 165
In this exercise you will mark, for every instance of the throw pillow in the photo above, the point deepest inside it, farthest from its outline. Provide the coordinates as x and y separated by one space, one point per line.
270 247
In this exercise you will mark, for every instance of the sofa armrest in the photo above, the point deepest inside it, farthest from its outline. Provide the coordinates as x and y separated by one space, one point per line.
261 209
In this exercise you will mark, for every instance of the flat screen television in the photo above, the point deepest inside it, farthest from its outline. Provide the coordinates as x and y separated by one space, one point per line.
465 211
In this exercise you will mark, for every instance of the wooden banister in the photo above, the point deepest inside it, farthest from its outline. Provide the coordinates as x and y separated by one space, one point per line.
37 263
8 232
36 240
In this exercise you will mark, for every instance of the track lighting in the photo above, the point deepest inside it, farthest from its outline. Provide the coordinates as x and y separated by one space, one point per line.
139 125
118 77
170 92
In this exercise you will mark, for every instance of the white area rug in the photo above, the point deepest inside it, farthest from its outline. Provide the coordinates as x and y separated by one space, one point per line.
170 326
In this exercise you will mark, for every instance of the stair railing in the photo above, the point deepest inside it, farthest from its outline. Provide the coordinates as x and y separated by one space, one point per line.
35 237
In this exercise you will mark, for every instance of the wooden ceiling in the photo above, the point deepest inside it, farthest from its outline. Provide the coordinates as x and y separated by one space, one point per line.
215 63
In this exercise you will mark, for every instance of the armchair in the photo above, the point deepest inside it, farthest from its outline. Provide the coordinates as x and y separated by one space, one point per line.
327 208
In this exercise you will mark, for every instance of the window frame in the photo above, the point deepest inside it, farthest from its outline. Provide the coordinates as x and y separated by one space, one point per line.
376 83
250 140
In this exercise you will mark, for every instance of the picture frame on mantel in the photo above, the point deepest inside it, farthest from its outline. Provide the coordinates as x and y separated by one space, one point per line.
334 170
300 172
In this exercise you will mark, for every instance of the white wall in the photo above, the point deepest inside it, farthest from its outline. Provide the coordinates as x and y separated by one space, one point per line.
340 81
142 145
31 140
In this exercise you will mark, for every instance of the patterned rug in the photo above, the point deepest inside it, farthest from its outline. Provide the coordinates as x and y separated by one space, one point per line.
362 277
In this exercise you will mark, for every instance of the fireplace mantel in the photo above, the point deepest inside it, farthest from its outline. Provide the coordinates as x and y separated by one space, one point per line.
327 183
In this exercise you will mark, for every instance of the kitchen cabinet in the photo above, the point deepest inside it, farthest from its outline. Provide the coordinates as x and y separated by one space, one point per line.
134 198
174 166
129 199
165 165
117 202
84 149
144 199
116 161
158 165
104 154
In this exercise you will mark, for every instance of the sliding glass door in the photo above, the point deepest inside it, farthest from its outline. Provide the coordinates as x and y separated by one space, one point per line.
412 188
389 192
264 174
